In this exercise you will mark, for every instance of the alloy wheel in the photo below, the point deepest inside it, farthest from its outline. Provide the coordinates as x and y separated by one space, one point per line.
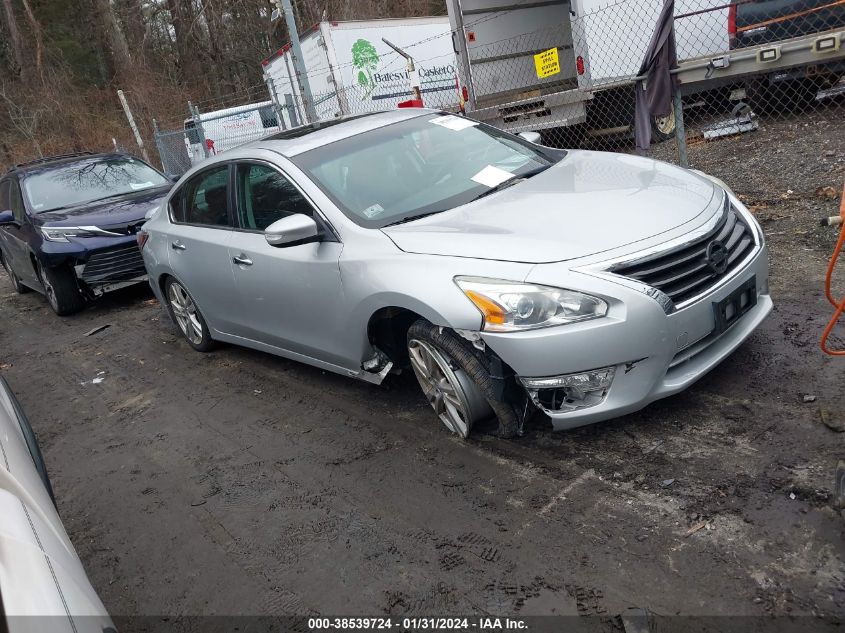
185 311
451 393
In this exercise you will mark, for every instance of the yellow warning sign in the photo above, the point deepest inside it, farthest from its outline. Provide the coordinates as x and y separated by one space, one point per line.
547 63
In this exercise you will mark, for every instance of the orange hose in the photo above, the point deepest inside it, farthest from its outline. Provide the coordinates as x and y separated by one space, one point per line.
840 306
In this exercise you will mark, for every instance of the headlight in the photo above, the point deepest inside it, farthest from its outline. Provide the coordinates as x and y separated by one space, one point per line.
508 306
61 233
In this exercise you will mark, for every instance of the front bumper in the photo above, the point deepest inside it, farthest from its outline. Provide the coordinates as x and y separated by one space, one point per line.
654 354
102 264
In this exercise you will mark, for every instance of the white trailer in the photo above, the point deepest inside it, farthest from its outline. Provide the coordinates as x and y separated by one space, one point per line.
351 70
221 130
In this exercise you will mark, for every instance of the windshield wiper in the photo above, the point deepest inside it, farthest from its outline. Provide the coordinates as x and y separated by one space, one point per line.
511 181
411 218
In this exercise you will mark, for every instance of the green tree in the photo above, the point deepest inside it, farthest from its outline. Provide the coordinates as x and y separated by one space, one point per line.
365 59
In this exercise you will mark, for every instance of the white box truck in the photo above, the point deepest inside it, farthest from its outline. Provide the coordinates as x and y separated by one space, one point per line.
600 45
351 70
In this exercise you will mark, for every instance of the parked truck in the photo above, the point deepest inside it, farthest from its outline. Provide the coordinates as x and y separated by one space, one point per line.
599 45
351 70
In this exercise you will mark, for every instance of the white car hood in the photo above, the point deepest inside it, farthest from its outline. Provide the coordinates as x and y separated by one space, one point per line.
588 203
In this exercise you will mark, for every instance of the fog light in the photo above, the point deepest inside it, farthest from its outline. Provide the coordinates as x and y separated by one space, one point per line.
570 392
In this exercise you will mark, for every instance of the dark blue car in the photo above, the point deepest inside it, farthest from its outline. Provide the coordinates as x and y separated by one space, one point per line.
68 225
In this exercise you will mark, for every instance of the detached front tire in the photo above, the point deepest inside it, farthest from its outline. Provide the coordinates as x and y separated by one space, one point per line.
455 382
61 289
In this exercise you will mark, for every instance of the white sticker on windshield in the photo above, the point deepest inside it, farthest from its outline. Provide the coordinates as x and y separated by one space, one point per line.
452 122
373 210
491 176
135 186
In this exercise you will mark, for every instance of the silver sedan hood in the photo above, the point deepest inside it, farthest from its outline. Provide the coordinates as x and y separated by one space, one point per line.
588 203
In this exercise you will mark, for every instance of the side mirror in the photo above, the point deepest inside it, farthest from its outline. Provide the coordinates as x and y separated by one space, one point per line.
531 137
292 230
7 217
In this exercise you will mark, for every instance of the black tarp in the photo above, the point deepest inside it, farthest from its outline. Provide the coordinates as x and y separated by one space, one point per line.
654 93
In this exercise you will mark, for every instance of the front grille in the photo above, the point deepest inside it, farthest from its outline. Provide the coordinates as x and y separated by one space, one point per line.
689 270
117 264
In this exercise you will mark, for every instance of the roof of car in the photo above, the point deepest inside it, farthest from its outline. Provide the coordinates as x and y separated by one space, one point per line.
49 162
306 137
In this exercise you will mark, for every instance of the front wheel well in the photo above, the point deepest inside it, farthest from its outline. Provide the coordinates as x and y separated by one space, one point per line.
387 330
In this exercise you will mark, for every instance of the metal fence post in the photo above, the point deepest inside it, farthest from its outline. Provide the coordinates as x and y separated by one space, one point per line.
158 146
299 62
271 87
680 132
132 125
195 115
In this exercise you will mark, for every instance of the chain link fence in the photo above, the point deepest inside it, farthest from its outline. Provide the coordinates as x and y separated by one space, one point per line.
570 72
574 77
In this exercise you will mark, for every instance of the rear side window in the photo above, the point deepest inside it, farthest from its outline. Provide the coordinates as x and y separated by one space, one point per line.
265 195
203 199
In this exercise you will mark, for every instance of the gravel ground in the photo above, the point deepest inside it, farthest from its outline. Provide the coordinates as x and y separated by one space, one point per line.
239 483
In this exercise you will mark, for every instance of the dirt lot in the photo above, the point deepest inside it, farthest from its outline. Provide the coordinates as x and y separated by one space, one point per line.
239 483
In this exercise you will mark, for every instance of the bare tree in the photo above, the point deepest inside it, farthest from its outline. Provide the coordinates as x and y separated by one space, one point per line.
15 44
35 28
23 116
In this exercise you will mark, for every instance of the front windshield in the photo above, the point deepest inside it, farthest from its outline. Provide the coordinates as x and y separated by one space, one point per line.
89 180
417 167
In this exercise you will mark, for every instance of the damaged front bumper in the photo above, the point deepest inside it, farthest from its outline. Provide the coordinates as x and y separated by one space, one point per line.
605 368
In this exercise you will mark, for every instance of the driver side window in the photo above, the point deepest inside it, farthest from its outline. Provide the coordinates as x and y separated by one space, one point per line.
5 186
265 195
16 201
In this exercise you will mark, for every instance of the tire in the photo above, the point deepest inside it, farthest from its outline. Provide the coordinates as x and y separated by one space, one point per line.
187 316
61 289
470 382
16 283
663 128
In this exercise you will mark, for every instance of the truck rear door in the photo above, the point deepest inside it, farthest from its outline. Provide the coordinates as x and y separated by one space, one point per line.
500 39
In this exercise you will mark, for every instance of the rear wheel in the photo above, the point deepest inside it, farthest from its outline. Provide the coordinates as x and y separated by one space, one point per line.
187 316
61 290
16 284
456 384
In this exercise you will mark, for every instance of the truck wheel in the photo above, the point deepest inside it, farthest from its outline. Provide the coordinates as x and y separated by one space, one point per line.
187 316
663 127
16 284
455 382
61 290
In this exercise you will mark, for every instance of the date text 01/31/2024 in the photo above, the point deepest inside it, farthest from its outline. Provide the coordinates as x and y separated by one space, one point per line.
418 624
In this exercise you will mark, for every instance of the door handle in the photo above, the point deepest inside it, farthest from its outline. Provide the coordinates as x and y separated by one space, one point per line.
242 260
178 246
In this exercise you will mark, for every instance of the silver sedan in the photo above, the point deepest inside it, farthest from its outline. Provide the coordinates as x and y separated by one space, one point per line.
508 276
